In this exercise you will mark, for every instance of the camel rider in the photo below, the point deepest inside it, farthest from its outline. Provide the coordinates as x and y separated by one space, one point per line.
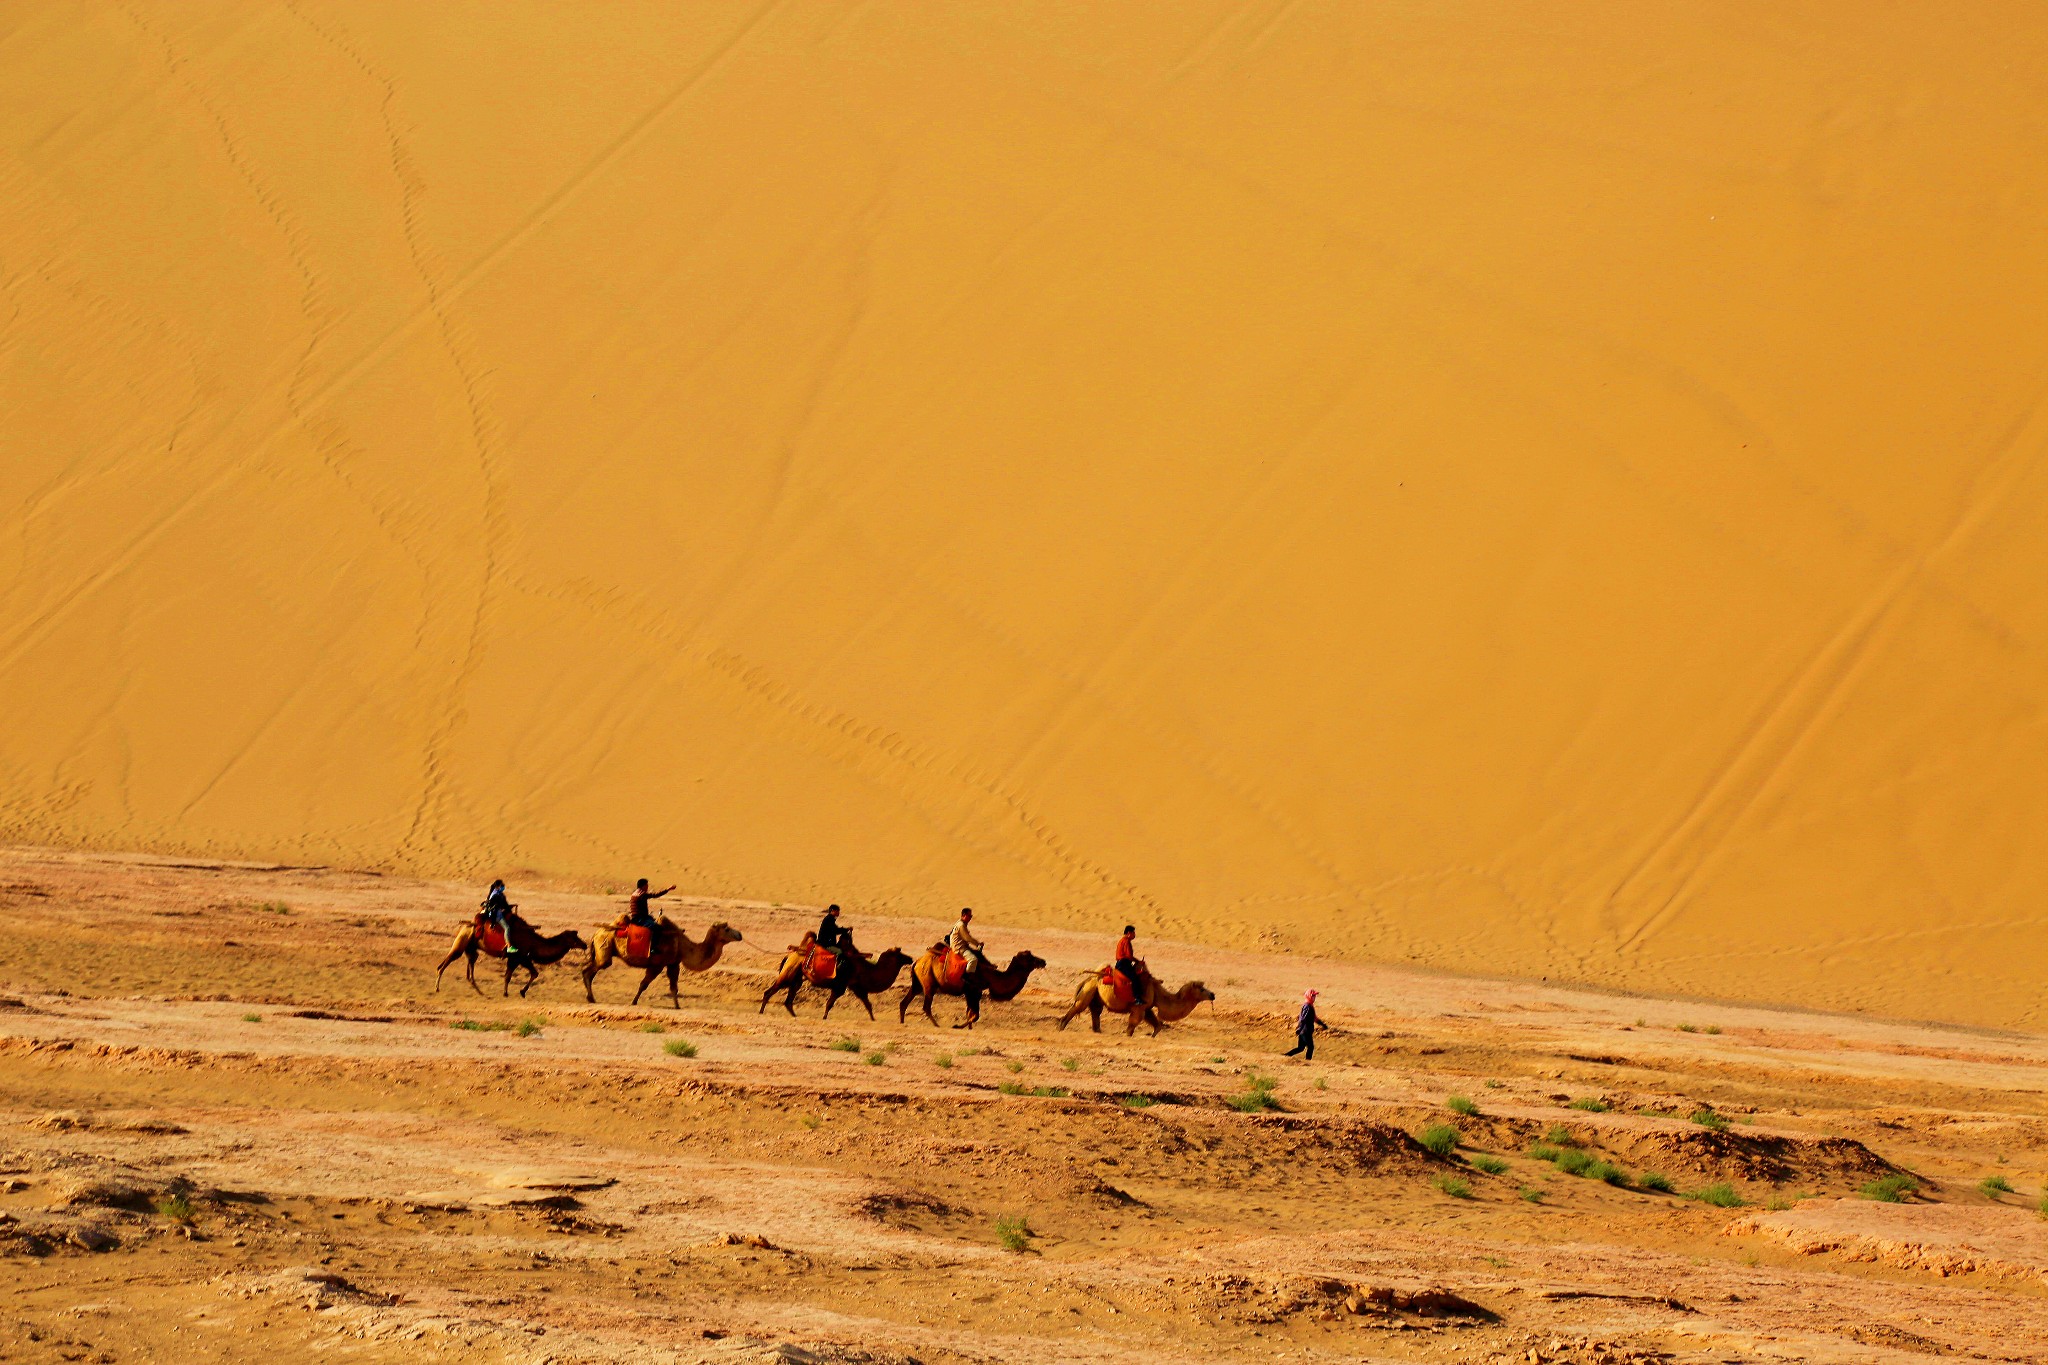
496 911
963 941
639 914
1127 960
830 936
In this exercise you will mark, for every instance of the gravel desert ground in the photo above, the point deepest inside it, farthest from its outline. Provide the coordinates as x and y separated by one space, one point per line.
238 1123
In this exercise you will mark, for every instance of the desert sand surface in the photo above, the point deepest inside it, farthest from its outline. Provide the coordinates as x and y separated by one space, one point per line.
238 1123
1511 488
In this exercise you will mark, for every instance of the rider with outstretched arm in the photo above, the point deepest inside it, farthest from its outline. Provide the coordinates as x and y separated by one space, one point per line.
639 914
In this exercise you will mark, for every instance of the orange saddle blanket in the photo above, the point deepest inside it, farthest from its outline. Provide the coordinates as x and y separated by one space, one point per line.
950 970
491 939
635 943
1121 996
821 966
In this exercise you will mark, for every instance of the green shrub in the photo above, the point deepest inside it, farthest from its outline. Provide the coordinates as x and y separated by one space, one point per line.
1891 1189
846 1045
1322 1082
1050 1092
490 1026
1070 1064
1014 1232
1451 1185
1653 1181
1991 1186
252 1018
1572 1161
176 1207
531 1025
677 1047
1137 1101
1013 1067
1493 1085
943 1061
876 1058
1688 1028
1440 1139
1460 1104
2042 1206
1606 1172
654 1026
1560 1136
1712 1028
1011 1088
1591 1105
1721 1196
1488 1165
1257 1096
275 908
1543 1151
1705 1117
1531 1193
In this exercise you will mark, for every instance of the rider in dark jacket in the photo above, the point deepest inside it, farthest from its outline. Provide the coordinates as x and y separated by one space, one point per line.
830 936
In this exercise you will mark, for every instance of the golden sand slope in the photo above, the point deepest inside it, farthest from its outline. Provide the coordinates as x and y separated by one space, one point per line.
1530 489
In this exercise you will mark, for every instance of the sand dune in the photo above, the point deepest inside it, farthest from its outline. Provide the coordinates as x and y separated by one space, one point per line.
1520 490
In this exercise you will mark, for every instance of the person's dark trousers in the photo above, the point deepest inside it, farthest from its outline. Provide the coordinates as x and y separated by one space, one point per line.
1305 1044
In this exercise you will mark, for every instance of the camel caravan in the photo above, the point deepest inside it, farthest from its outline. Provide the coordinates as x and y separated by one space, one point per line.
826 960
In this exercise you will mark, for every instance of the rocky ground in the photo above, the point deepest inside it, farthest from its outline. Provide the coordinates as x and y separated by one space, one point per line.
238 1123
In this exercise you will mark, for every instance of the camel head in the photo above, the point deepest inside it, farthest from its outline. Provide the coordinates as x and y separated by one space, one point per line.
1026 962
1197 991
722 932
894 960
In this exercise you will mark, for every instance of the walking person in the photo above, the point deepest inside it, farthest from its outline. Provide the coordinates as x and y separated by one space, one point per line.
1306 1023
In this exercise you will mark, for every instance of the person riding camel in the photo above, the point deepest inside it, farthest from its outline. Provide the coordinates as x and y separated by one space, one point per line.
963 942
496 911
638 914
830 936
1127 961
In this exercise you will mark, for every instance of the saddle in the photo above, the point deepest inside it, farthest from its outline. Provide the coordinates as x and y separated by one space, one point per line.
491 940
635 943
1118 986
950 969
821 965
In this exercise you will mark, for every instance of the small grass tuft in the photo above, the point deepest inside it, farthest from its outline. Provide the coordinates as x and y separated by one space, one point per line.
1543 1151
1441 1139
1705 1117
1777 1203
1688 1028
1451 1185
1531 1194
1487 1165
679 1047
1493 1085
1991 1186
1653 1180
252 1018
487 1026
1013 1067
1711 1028
1591 1104
1070 1064
1606 1172
1322 1082
2041 1206
531 1025
1891 1189
1721 1196
1050 1092
275 908
876 1058
1012 1088
811 1121
1560 1136
847 1044
654 1026
176 1207
1257 1096
1462 1104
1137 1101
1014 1232
1573 1161
943 1061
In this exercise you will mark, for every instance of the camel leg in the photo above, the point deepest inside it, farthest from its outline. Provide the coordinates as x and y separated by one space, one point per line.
973 999
769 994
645 982
903 1008
532 975
1095 1014
871 1007
592 965
930 1018
461 944
509 965
675 994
